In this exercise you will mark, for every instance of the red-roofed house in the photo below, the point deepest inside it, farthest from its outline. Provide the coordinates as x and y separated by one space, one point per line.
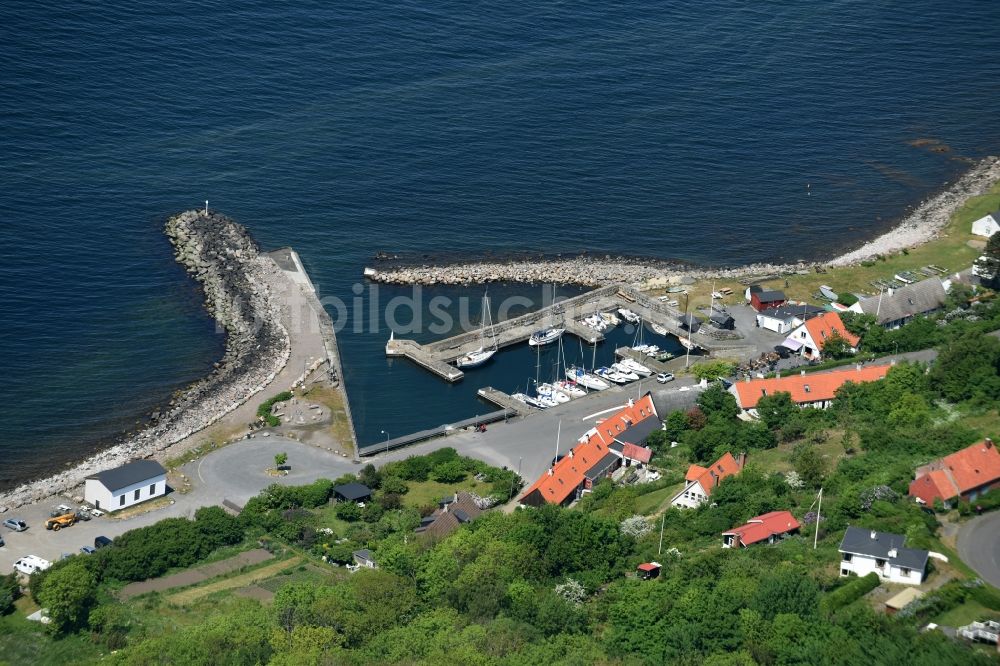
649 570
816 389
965 474
809 338
599 452
769 527
699 482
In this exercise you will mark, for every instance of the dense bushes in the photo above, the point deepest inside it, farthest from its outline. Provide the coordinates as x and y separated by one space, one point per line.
849 593
264 410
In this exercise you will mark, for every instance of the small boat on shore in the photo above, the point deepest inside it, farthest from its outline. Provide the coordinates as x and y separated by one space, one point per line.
545 336
828 293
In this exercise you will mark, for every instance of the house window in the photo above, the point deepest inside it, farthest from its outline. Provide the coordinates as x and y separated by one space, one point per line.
905 571
880 563
844 572
847 557
137 491
121 500
152 489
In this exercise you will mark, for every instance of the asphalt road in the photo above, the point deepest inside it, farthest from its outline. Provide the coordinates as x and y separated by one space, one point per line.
979 546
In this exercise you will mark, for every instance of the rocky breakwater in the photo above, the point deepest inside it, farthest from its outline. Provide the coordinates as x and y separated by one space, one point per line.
241 288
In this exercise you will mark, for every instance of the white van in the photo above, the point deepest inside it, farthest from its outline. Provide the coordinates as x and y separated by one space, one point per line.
30 564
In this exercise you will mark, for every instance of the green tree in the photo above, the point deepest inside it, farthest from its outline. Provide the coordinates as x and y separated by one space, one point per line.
786 591
836 346
676 424
968 369
280 459
448 472
776 410
715 369
68 593
987 266
809 464
348 511
717 401
394 484
218 526
10 590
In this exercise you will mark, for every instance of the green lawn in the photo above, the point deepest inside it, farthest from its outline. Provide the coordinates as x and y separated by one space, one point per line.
422 493
652 503
968 612
778 459
26 642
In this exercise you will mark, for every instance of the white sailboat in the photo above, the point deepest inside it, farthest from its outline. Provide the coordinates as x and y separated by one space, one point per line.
585 379
551 391
625 371
628 315
570 389
636 367
658 329
545 337
478 357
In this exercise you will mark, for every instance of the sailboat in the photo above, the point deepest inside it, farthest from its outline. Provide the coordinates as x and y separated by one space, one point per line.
545 337
476 358
658 329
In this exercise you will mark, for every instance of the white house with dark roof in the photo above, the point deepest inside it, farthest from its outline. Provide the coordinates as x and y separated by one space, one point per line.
865 551
987 225
787 317
125 486
895 307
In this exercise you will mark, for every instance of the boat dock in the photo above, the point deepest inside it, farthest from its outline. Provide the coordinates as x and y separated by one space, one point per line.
430 433
438 357
504 400
649 362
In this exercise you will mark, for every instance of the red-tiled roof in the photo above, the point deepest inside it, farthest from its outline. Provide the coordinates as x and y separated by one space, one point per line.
806 388
562 480
958 473
640 453
648 566
763 527
825 326
715 473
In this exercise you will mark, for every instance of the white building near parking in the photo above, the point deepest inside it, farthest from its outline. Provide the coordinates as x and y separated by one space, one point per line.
125 486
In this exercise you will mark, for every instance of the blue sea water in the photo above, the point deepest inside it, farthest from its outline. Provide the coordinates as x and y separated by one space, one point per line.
679 130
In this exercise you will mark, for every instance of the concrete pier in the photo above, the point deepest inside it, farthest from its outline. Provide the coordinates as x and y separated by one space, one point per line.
651 363
504 400
439 356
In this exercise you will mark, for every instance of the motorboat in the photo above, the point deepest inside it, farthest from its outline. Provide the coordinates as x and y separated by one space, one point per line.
687 344
545 336
570 389
628 315
610 319
596 322
625 371
479 356
652 350
546 401
528 400
612 376
641 348
636 367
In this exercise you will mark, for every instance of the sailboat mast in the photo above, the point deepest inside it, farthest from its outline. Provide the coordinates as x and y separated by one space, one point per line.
558 433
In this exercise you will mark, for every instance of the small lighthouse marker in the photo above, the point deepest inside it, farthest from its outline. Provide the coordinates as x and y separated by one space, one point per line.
206 206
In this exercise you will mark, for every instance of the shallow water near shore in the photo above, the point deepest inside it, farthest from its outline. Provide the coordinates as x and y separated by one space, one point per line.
719 133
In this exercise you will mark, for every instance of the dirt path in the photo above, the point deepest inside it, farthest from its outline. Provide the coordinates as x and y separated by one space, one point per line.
196 575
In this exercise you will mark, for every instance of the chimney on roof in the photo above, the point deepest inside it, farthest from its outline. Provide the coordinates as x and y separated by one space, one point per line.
858 366
571 453
777 375
874 534
893 553
550 471
741 459
456 496
988 443
802 372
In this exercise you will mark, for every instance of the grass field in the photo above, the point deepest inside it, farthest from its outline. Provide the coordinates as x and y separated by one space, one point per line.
950 251
333 398
193 594
310 574
970 611
26 642
422 493
654 502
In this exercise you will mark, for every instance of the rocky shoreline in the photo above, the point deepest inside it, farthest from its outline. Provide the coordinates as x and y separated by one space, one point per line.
240 286
920 226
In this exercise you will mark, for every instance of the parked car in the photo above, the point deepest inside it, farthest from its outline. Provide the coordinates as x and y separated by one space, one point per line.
15 524
87 550
102 541
665 377
96 513
30 564
60 522
2 542
60 510
82 515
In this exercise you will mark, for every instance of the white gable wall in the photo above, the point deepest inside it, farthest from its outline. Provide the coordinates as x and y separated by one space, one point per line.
97 494
691 497
986 226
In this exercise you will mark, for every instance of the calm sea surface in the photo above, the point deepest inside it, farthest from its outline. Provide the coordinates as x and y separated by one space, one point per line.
688 131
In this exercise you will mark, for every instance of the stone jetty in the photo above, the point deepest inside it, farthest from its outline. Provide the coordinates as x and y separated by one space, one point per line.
240 285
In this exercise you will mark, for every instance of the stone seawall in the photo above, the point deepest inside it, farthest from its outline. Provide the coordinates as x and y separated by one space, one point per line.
240 286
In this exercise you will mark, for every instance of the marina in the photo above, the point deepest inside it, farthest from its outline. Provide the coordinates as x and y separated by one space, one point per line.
570 314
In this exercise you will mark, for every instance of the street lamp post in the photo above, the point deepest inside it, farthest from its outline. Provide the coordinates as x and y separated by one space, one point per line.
386 441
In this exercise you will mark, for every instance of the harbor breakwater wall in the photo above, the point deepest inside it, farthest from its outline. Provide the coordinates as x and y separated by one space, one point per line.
240 286
922 224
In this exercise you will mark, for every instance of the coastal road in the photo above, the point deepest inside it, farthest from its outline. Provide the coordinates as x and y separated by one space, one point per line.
979 546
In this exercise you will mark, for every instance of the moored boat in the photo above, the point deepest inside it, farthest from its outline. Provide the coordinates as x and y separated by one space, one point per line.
545 336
